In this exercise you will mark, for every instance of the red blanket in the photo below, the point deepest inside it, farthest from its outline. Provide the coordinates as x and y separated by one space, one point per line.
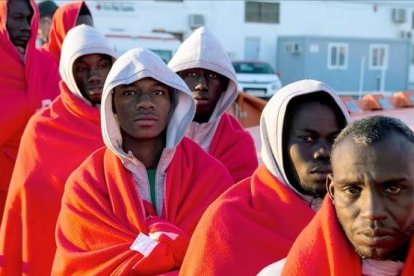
250 226
23 87
323 249
55 142
234 147
64 19
102 214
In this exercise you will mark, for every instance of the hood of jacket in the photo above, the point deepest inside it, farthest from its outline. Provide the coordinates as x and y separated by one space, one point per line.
203 50
6 44
272 120
134 65
64 19
79 41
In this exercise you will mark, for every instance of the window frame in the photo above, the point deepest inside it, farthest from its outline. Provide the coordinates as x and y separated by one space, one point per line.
371 55
337 66
260 12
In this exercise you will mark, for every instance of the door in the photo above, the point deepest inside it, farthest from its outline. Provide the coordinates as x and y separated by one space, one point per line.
252 48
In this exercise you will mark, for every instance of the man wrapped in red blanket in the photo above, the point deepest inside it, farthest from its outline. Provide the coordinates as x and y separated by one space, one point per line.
28 80
65 18
255 222
204 65
132 206
55 142
366 225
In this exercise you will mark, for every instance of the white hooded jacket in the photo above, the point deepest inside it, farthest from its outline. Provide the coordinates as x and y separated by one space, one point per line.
134 65
203 50
271 127
79 41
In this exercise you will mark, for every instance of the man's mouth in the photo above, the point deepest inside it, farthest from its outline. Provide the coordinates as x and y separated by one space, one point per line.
97 90
376 237
321 173
146 119
22 40
201 99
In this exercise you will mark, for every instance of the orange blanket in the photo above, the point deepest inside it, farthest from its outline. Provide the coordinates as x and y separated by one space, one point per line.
323 249
55 142
234 147
23 87
250 226
64 19
102 214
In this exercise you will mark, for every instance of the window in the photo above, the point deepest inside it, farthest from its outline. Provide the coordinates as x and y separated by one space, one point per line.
262 12
337 56
378 56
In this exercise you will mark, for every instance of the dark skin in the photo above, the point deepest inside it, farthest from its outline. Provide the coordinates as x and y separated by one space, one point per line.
142 109
309 144
90 72
84 19
372 188
46 22
44 28
206 87
19 16
84 16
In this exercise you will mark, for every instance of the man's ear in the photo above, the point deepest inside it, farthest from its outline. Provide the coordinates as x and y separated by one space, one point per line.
330 187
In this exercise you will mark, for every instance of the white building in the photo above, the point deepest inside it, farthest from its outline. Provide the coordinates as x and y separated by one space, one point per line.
250 29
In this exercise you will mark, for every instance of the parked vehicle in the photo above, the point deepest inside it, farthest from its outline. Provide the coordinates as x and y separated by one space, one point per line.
257 78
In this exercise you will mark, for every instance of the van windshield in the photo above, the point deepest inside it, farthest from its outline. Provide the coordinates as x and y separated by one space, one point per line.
253 68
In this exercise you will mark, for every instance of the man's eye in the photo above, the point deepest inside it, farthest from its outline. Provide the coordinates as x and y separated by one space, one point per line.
352 190
307 138
128 93
104 65
80 69
392 189
158 92
192 74
212 75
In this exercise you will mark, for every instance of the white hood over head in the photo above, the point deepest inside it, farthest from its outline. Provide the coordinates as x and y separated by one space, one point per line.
273 118
79 41
134 65
203 50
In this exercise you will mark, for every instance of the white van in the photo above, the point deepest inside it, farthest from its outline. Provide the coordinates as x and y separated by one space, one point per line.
163 44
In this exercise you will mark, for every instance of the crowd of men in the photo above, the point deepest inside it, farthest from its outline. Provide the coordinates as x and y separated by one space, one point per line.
127 165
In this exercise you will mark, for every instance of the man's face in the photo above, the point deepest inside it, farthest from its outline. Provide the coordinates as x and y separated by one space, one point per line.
373 193
313 128
142 108
44 28
207 87
89 72
19 15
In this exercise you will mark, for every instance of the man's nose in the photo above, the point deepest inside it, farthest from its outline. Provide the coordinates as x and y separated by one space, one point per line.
372 207
25 25
201 83
323 150
94 73
145 101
